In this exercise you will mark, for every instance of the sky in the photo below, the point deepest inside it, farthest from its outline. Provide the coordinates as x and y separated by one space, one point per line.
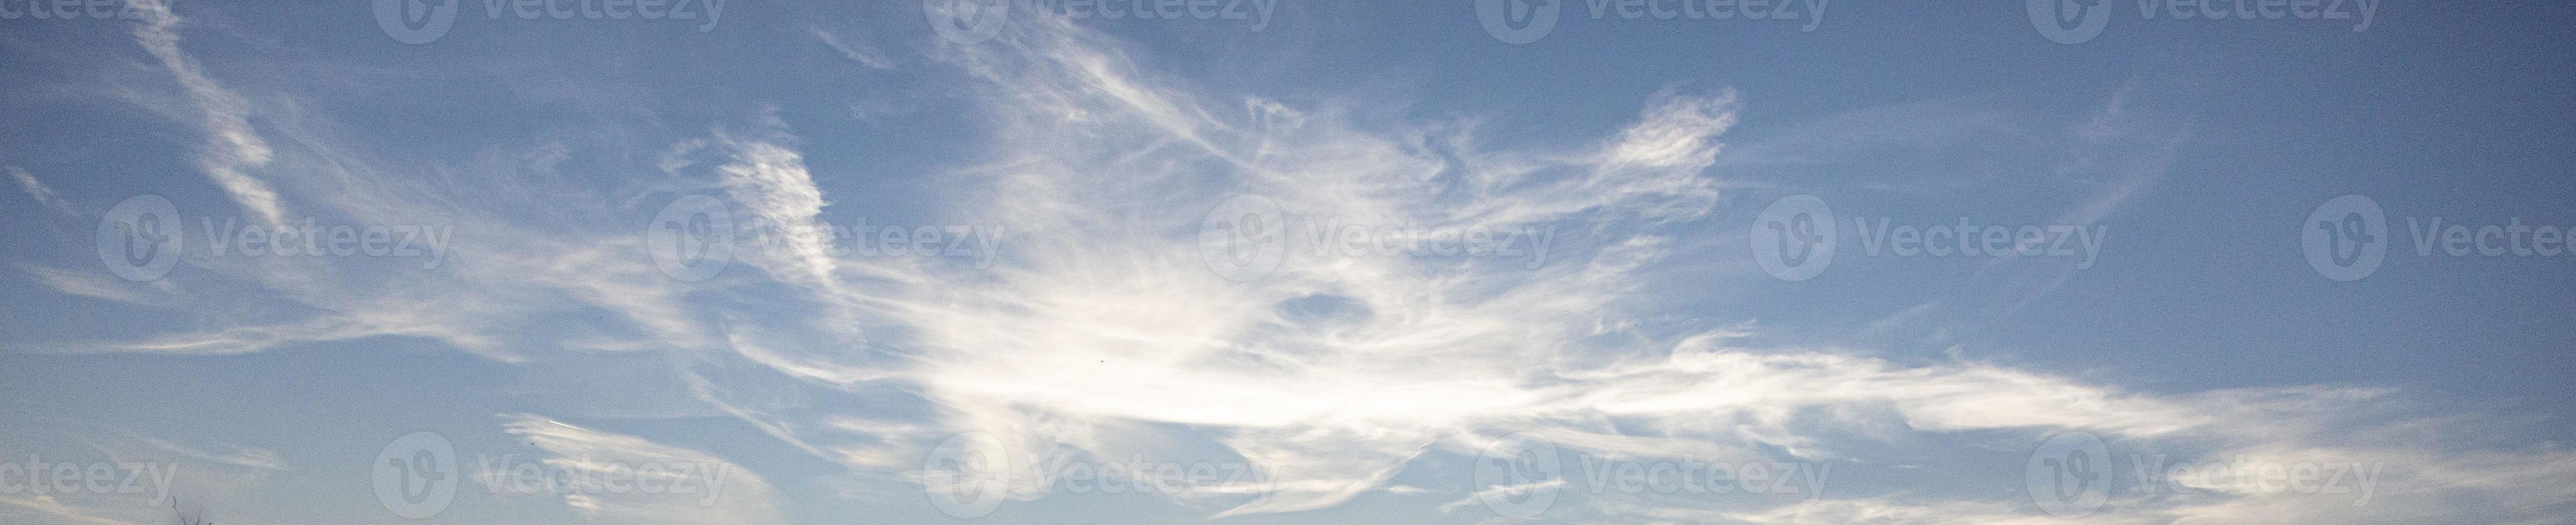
1286 261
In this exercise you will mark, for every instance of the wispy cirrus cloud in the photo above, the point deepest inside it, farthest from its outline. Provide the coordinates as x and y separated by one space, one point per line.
46 507
653 474
856 51
1106 331
1083 338
40 192
87 284
234 148
142 480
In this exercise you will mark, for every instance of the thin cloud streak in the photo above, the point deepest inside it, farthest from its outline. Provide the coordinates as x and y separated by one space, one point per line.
1104 330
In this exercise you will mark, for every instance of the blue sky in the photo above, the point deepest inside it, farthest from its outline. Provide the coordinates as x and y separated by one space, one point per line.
1321 261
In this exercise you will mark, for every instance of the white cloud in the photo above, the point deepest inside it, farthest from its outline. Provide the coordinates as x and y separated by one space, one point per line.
1103 330
862 53
157 293
639 481
233 147
53 510
37 190
1502 491
148 479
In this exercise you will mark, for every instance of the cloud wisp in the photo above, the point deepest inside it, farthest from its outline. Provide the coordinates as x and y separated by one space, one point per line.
1106 327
